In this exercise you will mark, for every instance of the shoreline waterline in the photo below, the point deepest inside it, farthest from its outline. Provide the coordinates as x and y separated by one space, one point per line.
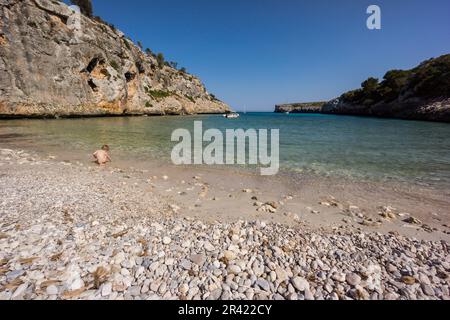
224 196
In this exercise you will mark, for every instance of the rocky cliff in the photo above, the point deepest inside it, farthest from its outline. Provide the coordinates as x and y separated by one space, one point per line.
307 107
56 63
421 93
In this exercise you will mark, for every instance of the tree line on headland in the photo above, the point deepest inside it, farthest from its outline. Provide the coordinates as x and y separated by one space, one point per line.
431 79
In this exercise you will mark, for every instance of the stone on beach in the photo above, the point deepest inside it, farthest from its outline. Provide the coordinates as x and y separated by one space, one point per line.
412 220
229 255
198 259
301 284
353 279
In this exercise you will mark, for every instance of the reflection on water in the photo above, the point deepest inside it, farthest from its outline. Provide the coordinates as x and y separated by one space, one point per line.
363 148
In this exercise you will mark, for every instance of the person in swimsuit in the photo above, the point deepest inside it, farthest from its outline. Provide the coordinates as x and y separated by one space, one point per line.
102 156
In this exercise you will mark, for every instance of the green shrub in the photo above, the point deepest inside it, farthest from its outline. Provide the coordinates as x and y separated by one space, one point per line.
160 59
214 98
115 65
370 85
159 94
352 95
190 98
173 64
127 44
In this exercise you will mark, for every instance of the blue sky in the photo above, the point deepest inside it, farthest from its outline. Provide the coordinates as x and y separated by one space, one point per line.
262 52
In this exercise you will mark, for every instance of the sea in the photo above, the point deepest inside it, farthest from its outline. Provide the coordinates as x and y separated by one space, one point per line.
361 148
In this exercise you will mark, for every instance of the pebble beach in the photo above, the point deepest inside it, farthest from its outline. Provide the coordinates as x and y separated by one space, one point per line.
74 231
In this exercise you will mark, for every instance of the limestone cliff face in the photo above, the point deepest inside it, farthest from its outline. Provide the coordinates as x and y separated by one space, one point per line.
53 63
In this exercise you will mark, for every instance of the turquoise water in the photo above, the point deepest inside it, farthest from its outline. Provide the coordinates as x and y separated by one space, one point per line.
354 147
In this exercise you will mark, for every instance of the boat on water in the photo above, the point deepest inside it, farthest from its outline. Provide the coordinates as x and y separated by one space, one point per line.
231 115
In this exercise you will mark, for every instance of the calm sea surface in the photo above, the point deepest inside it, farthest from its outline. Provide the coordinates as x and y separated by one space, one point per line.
354 147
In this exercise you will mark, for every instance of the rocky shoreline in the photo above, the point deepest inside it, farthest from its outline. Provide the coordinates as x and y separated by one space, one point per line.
437 110
74 231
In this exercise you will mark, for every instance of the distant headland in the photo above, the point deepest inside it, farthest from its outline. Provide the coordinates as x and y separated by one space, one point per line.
422 93
305 107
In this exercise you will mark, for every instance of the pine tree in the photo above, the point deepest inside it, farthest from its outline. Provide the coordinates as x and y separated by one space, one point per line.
160 59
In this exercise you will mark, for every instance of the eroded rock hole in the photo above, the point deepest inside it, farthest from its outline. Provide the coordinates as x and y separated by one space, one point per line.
129 76
93 86
140 67
93 64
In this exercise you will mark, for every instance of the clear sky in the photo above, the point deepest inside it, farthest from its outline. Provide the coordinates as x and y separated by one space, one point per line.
257 53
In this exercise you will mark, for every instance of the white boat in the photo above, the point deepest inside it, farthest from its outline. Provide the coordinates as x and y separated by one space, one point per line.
231 115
